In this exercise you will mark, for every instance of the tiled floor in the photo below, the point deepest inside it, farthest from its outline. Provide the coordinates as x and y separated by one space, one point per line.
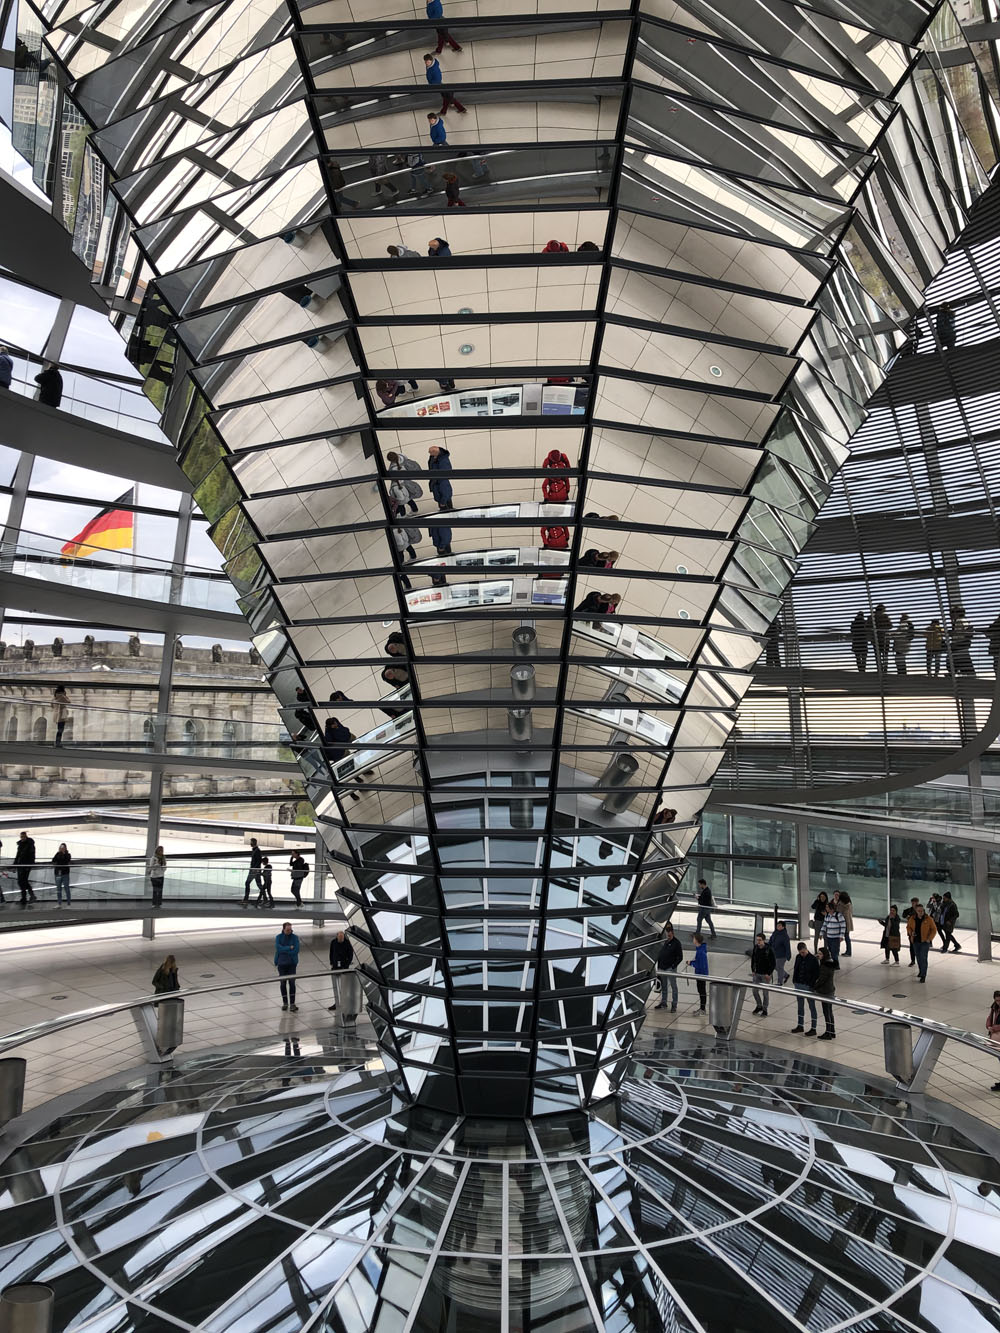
44 974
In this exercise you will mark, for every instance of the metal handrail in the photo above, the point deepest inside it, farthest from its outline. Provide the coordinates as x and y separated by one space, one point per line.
52 1025
984 1045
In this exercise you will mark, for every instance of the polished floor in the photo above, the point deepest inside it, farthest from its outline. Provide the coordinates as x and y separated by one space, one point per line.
283 1189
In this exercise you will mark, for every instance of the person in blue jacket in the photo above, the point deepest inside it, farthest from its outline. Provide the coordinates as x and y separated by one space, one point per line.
441 537
432 71
781 947
286 960
438 248
700 965
435 9
439 460
437 129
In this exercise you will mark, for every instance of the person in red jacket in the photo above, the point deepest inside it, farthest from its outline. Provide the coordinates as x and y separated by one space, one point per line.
556 248
555 490
555 538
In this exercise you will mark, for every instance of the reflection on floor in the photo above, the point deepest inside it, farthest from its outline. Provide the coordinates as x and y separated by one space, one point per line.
284 1189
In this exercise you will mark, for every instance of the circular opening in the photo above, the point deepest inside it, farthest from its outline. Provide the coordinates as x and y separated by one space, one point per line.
682 569
716 371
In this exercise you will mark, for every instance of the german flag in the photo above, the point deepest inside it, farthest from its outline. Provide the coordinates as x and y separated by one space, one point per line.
110 530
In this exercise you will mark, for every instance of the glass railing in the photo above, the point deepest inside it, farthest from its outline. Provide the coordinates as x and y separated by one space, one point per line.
92 398
124 574
214 881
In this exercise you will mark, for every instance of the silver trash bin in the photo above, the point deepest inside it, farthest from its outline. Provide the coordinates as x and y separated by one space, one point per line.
897 1040
721 1005
12 1074
27 1307
350 996
169 1025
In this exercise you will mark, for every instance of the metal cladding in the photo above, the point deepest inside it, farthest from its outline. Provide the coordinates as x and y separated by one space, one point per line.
682 247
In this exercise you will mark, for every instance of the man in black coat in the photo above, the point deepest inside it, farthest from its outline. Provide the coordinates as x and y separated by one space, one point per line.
24 859
668 960
804 975
341 958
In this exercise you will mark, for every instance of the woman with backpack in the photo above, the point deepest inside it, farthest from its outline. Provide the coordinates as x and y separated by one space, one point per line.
399 463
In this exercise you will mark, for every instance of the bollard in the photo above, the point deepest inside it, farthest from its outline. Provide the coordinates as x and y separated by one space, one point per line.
27 1307
169 1025
12 1072
522 682
721 1004
525 641
898 1042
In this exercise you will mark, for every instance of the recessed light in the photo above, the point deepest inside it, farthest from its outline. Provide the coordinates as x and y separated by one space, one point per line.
683 615
716 371
682 569
467 349
465 310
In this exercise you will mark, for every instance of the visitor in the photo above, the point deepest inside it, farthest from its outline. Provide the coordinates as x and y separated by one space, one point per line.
298 868
157 870
825 986
993 644
24 859
60 711
303 715
395 645
441 537
706 905
668 960
906 917
860 639
50 385
62 861
336 738
892 931
555 248
960 641
881 633
947 327
921 929
405 539
818 909
439 461
993 1026
834 931
253 874
399 463
842 901
265 898
781 947
341 958
700 965
404 251
587 246
438 248
934 634
947 922
166 977
6 368
902 641
804 976
452 190
772 644
762 970
286 960
437 130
